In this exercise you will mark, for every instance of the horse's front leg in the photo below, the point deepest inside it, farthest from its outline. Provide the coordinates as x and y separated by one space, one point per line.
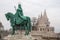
13 29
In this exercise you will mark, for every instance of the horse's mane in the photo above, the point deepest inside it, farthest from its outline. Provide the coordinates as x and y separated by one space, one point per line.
9 13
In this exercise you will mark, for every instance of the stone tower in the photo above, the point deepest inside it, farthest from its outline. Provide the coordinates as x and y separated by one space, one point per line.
42 29
43 23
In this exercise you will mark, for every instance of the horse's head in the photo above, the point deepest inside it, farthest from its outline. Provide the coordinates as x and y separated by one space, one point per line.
9 15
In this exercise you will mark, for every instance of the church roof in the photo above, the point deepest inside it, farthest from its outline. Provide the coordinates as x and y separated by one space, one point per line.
43 18
45 15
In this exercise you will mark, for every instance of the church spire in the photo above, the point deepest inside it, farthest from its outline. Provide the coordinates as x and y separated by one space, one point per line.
41 14
45 15
43 19
45 12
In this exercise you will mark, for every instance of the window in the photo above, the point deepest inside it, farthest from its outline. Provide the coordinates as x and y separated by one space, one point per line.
43 29
35 39
40 29
48 29
47 25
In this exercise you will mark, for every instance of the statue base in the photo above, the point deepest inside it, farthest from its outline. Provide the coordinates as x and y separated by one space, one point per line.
19 35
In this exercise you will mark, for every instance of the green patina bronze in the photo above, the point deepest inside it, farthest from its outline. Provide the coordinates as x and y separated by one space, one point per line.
19 21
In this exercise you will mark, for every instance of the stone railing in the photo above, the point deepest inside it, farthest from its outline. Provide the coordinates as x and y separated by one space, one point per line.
45 34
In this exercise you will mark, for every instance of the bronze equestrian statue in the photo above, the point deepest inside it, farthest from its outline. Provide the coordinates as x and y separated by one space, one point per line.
19 21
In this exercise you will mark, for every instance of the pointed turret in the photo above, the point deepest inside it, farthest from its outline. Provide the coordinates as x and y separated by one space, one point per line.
41 14
43 19
38 16
45 11
45 15
38 19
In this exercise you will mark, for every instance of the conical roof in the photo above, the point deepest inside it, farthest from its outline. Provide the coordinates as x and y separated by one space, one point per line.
43 19
45 15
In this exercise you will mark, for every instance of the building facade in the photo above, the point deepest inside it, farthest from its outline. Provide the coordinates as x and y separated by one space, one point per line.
42 30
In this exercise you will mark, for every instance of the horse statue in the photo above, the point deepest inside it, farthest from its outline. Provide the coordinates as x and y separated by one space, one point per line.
19 21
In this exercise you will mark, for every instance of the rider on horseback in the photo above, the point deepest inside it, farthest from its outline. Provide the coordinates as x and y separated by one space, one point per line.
19 11
19 14
20 20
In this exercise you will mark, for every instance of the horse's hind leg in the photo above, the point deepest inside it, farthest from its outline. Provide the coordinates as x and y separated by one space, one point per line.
29 24
26 30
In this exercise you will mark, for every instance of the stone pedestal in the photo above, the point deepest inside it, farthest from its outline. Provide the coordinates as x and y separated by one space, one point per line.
19 35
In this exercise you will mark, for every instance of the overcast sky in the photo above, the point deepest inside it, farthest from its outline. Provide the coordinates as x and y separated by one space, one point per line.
32 8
